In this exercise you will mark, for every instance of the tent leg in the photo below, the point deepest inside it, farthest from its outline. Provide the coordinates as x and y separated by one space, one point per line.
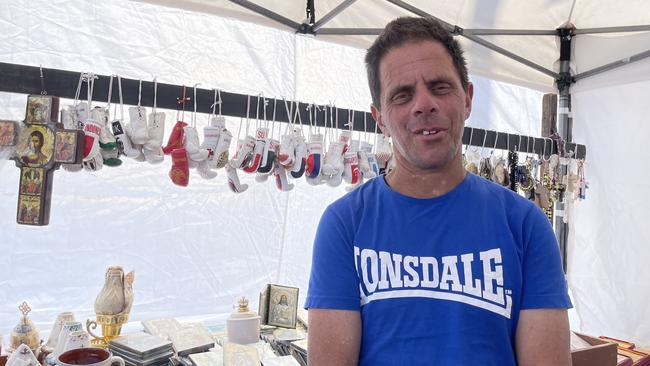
564 126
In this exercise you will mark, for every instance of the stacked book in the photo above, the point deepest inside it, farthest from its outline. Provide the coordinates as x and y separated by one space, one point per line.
142 349
299 351
280 340
191 338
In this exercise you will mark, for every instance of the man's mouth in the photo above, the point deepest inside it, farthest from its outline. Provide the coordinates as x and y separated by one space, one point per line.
430 132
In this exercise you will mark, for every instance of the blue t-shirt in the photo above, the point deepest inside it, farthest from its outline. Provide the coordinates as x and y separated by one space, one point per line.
438 281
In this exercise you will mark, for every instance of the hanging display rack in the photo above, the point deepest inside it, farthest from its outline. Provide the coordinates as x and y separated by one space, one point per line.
23 79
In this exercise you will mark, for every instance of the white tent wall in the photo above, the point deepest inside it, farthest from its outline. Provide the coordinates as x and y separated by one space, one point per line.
608 251
194 249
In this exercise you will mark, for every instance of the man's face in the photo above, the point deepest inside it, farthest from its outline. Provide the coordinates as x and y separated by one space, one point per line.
423 105
36 142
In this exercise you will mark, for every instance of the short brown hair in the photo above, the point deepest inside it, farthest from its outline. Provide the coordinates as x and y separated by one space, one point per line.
411 29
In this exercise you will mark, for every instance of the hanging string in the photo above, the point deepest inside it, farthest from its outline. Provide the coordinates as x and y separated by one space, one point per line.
155 94
257 111
273 118
265 104
110 93
290 115
248 110
483 145
308 109
78 93
350 121
241 122
297 111
119 87
327 130
313 110
214 103
193 120
90 89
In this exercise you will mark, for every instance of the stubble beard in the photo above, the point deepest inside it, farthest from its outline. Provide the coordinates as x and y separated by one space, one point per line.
444 162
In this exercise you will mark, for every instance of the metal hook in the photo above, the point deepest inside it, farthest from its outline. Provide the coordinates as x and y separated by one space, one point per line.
43 92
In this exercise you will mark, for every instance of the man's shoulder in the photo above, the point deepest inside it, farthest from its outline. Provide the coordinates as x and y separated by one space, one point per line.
359 197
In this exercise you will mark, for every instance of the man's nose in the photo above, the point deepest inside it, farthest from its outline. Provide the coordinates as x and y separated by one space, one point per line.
424 101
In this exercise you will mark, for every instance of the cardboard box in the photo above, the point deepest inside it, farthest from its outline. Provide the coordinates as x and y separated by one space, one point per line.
601 353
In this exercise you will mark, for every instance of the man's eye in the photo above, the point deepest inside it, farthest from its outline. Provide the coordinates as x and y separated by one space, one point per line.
441 89
400 97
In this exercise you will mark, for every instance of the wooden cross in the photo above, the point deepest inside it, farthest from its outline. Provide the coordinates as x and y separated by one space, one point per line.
43 145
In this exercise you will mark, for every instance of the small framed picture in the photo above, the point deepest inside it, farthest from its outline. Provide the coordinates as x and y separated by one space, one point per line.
65 146
38 109
29 210
283 306
8 133
31 181
35 146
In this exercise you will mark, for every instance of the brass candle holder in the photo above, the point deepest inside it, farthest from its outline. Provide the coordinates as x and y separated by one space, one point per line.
111 328
112 306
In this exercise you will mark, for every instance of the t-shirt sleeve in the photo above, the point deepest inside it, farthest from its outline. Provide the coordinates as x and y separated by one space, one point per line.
333 283
544 283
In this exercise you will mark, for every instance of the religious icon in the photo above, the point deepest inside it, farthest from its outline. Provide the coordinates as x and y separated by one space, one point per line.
64 147
29 209
35 146
283 306
7 133
38 109
31 181
34 155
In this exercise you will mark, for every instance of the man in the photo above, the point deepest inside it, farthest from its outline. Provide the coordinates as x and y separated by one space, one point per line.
34 155
431 265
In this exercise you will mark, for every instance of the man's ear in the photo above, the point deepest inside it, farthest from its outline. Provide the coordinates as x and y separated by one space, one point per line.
469 94
376 115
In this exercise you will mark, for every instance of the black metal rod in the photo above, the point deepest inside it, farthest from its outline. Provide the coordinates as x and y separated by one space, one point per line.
336 11
625 29
267 13
24 79
510 32
350 31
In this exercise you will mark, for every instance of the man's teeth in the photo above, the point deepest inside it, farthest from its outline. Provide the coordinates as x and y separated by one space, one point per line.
432 132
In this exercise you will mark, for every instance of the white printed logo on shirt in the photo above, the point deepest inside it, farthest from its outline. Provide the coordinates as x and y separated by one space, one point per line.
388 275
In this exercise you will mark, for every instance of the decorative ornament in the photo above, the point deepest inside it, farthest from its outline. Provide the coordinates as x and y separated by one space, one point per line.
25 332
112 306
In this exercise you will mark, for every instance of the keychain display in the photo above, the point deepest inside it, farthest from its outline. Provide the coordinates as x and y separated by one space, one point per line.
331 155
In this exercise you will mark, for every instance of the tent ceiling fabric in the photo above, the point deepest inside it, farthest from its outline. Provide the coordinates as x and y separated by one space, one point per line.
477 14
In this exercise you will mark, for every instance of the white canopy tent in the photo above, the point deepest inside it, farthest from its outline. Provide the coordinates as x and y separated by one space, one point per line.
196 249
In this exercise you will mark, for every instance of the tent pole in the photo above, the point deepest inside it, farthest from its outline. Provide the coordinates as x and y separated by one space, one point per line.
564 127
267 13
613 65
336 11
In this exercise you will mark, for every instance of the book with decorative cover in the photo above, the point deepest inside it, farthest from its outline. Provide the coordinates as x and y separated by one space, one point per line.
206 359
240 355
280 361
162 328
141 345
193 338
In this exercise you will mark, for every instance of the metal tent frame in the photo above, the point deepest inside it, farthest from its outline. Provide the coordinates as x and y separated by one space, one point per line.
563 79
